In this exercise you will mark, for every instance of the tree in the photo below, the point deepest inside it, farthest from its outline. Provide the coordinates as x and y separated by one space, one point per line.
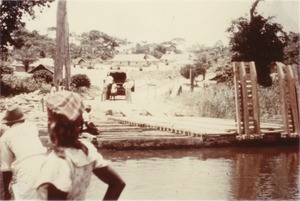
62 63
11 19
158 51
185 70
33 46
291 51
97 44
257 40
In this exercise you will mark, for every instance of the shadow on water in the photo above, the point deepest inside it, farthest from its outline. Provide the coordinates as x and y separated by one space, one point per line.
201 174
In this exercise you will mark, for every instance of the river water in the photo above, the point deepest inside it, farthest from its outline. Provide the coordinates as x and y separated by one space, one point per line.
254 173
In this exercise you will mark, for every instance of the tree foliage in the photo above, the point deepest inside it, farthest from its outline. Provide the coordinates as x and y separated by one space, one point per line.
80 80
258 40
43 75
291 51
32 46
95 44
11 19
197 70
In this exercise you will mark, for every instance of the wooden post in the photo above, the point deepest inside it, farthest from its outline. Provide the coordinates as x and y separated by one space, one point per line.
62 58
43 103
243 77
283 98
256 113
192 79
238 97
293 99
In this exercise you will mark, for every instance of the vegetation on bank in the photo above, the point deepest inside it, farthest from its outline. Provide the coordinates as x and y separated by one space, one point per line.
11 84
219 102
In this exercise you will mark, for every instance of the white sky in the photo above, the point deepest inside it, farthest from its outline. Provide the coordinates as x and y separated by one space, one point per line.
201 21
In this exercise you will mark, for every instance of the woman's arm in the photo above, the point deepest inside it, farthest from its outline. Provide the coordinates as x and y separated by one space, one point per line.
48 191
6 176
113 180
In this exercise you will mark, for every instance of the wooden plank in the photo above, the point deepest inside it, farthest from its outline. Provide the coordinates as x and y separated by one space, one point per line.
243 75
256 113
121 129
283 98
238 94
293 99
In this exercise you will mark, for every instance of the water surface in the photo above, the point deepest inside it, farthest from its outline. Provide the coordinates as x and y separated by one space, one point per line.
205 174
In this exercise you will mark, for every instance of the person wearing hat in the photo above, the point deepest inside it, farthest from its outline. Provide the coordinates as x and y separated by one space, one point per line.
22 154
89 126
67 171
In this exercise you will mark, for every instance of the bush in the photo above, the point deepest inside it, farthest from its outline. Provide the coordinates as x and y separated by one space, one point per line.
80 80
14 85
197 70
224 75
185 71
6 70
43 75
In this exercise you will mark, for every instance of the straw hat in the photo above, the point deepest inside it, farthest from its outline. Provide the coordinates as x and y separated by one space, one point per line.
13 115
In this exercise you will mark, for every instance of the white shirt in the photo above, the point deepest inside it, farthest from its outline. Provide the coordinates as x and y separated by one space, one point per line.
23 153
52 90
109 80
114 88
86 116
72 173
18 143
128 85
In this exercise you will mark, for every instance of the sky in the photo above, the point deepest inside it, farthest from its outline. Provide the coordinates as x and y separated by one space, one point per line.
197 21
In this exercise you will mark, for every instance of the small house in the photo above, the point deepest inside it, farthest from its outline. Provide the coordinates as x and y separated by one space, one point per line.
41 67
79 62
133 60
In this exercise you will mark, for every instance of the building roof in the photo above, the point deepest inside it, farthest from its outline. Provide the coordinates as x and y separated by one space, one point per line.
47 62
16 63
133 57
78 60
41 67
176 57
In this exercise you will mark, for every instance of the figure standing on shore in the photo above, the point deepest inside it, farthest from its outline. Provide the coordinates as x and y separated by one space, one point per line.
109 81
113 91
128 86
53 89
22 154
68 168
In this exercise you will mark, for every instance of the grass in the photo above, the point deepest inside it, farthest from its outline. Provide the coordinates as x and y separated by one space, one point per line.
219 102
215 102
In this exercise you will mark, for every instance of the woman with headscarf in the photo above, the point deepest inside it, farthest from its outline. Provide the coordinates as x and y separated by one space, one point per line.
68 168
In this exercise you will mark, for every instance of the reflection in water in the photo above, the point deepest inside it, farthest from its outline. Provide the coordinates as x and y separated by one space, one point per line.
272 174
201 174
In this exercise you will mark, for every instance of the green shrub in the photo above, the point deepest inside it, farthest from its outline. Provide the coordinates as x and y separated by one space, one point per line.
197 70
224 74
269 100
185 71
43 75
80 80
14 85
6 70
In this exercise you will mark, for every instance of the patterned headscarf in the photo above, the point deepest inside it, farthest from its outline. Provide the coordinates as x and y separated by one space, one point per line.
66 103
65 110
